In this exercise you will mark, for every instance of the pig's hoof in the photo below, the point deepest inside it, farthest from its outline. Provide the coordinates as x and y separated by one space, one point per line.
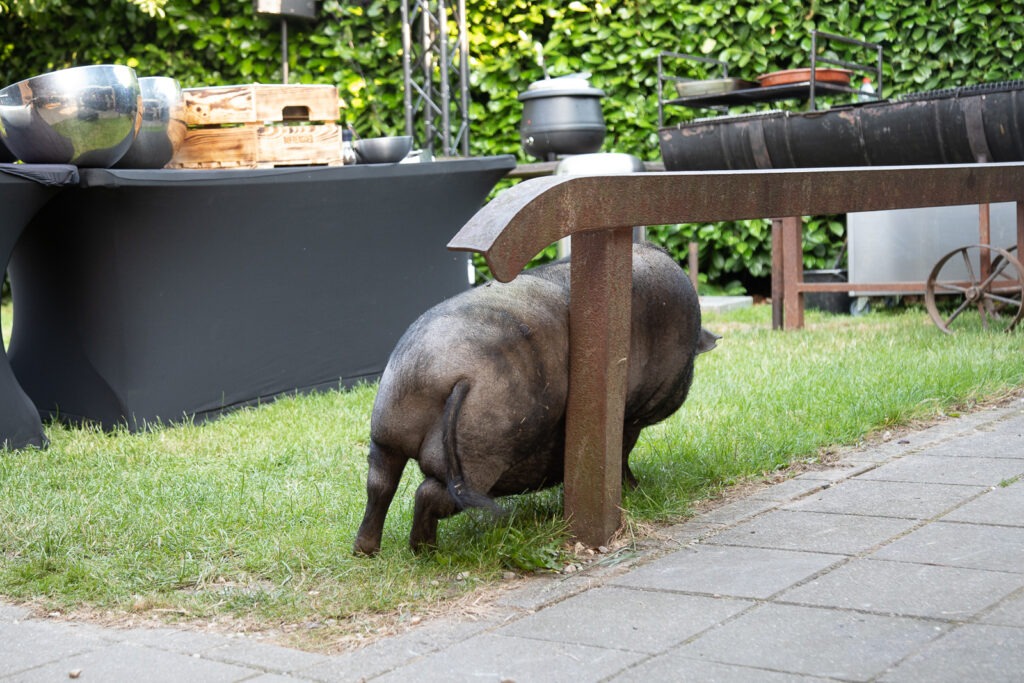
365 548
629 480
423 548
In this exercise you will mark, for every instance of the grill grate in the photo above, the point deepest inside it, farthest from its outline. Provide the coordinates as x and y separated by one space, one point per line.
964 91
732 118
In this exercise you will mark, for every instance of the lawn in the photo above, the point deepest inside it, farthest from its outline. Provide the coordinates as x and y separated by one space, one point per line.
247 521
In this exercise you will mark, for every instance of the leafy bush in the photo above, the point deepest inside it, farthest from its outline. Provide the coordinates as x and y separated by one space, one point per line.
356 45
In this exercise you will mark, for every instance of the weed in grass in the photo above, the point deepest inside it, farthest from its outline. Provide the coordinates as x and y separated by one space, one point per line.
251 517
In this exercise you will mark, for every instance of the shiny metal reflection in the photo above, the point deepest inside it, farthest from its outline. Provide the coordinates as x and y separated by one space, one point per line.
85 115
163 124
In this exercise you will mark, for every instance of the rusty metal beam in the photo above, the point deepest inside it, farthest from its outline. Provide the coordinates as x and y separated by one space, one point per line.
523 220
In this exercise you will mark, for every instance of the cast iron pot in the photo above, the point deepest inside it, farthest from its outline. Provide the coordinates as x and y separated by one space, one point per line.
561 116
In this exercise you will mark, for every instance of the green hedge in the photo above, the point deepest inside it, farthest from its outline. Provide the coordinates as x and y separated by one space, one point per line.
356 45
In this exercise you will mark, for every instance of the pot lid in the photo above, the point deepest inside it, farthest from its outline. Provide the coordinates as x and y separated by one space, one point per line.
578 81
571 84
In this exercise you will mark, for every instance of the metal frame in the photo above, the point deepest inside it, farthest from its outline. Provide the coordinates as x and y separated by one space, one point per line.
436 113
853 66
808 91
664 76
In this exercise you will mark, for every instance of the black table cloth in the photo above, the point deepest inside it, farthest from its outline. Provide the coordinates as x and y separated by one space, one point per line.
147 296
24 189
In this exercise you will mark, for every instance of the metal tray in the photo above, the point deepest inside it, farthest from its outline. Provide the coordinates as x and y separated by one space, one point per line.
715 86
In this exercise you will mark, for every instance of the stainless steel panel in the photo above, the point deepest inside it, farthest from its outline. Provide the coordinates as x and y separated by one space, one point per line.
904 245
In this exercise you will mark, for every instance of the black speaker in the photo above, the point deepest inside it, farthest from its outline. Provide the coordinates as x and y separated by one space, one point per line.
291 9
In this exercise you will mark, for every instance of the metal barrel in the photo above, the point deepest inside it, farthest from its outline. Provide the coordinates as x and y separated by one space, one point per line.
950 127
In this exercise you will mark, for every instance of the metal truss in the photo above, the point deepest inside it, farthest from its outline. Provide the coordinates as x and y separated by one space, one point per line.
435 65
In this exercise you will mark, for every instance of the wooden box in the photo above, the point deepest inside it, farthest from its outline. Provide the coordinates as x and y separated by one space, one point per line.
260 126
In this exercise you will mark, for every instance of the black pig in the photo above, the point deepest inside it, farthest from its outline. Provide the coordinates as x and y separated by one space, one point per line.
475 390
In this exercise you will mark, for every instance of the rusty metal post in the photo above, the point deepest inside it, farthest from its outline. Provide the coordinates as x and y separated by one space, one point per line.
694 265
985 237
778 276
1020 230
599 323
793 271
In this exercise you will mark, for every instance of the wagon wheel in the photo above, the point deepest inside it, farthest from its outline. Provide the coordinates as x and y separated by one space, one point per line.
997 298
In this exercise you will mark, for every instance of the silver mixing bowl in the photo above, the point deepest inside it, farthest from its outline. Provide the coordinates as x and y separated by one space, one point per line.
386 150
85 115
163 124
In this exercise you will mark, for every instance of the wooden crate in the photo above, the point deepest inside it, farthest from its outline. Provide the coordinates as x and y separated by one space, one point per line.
260 126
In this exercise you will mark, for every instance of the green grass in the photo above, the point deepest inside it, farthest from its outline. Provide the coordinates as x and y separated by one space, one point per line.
250 519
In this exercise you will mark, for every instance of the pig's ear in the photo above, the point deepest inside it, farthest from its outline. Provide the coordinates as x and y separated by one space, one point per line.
707 341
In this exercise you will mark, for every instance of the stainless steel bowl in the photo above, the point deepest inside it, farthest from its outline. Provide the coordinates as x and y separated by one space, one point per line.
85 115
386 150
163 124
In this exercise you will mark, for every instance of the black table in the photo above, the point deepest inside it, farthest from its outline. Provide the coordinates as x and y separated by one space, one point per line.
23 191
145 296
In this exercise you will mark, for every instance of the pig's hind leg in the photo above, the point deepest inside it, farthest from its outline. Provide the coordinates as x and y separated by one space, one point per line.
433 503
630 435
381 484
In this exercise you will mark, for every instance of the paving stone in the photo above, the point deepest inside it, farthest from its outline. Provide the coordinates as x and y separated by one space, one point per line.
183 641
907 589
738 511
940 469
1000 505
34 643
266 656
12 613
675 667
985 654
545 590
492 657
811 641
839 473
126 662
626 619
909 500
390 653
788 490
1010 612
1001 442
690 532
727 570
955 544
814 532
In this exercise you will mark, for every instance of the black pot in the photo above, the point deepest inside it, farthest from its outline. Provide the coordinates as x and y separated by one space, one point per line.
830 302
561 116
